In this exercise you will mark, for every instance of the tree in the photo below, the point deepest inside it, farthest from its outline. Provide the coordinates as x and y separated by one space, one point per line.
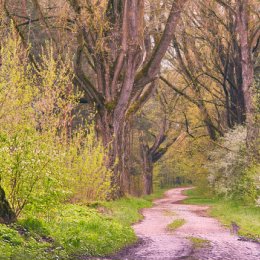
111 64
247 74
157 132
207 54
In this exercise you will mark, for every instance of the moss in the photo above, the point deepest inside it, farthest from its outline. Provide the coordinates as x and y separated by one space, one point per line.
177 223
110 106
199 242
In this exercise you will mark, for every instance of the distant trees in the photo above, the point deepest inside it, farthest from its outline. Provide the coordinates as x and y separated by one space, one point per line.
157 135
212 51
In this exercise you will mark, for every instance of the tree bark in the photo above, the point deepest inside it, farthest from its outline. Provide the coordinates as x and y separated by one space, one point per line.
247 76
7 215
147 167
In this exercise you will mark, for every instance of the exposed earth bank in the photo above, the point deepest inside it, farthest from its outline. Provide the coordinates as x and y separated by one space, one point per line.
199 238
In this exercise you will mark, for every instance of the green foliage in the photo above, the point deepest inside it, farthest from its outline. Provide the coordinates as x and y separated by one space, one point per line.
230 173
91 177
246 217
127 210
43 160
10 236
177 223
81 230
245 187
35 225
16 245
73 230
157 194
184 164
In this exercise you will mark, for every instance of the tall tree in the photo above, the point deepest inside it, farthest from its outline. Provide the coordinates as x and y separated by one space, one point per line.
113 64
242 17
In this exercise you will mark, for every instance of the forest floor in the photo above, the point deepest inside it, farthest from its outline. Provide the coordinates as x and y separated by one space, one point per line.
173 230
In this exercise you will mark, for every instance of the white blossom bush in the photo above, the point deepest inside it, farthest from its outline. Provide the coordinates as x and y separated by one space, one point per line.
230 173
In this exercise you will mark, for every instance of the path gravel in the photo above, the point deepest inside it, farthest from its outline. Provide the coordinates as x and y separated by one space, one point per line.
157 243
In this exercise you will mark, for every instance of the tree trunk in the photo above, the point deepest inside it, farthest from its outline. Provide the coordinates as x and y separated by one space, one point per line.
7 216
125 153
148 178
147 166
247 76
117 144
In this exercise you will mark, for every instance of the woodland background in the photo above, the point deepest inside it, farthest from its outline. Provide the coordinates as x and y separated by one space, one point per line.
101 100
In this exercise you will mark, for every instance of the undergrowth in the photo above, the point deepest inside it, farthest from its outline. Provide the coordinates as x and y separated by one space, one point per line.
96 229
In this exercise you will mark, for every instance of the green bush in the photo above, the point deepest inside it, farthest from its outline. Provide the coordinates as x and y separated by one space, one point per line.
43 160
230 172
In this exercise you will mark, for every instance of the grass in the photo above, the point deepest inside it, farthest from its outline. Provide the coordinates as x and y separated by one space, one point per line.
97 229
198 242
126 210
247 217
75 230
177 223
157 194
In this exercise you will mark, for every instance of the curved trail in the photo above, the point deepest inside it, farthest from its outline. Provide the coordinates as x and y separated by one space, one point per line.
159 244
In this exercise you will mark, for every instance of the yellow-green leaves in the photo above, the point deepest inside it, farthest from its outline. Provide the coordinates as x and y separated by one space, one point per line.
43 159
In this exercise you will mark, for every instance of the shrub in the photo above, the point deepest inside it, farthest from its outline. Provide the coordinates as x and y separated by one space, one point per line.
230 173
43 161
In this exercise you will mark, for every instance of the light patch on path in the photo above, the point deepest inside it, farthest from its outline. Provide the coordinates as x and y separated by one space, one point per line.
157 243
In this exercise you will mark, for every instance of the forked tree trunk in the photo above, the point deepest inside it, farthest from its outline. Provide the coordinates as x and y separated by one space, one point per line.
7 216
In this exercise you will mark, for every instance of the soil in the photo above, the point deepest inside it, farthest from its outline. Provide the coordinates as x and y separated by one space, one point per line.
158 243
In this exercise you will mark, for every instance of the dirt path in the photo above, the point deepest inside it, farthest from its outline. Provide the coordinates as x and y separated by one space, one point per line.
160 244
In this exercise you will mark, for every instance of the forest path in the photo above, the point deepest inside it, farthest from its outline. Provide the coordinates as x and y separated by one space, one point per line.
157 243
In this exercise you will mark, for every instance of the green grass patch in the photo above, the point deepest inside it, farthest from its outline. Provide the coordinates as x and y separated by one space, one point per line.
199 197
157 194
177 223
198 242
247 217
126 210
97 229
